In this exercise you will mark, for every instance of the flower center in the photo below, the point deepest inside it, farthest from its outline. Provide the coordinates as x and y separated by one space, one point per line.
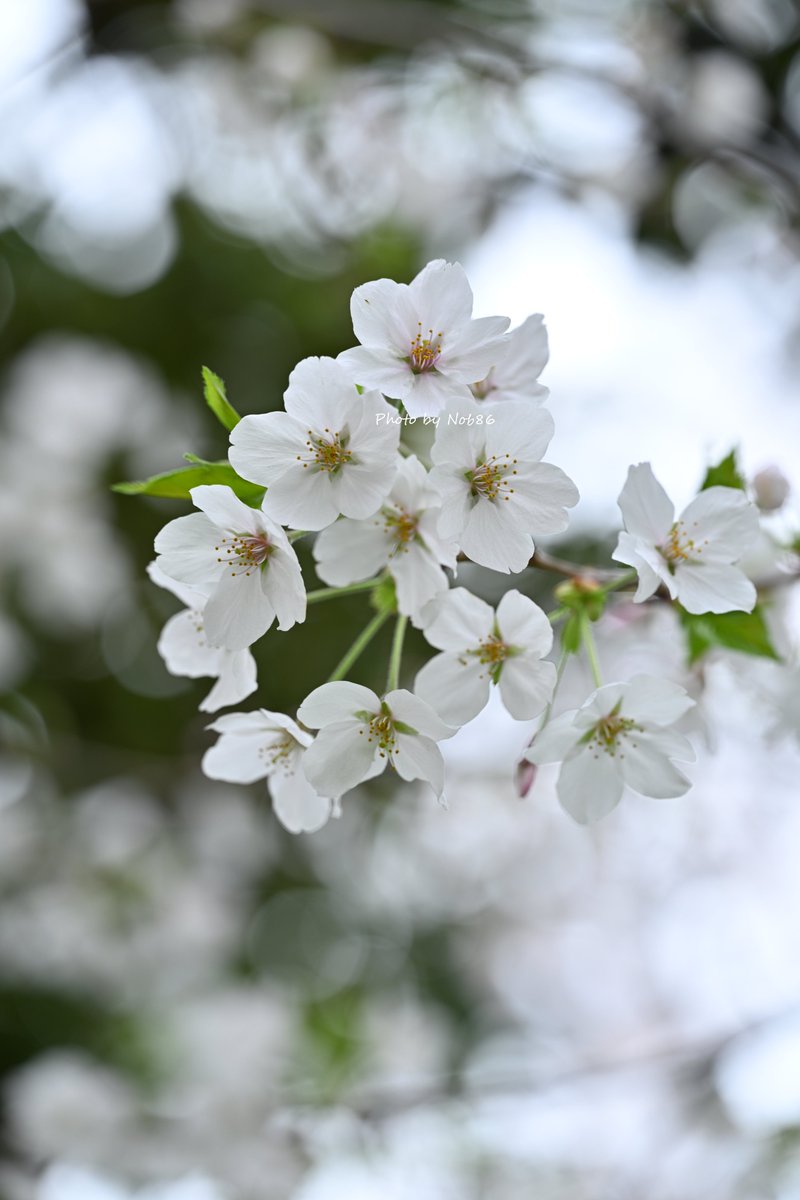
327 451
679 546
244 552
401 525
380 729
489 479
609 733
279 756
425 351
493 651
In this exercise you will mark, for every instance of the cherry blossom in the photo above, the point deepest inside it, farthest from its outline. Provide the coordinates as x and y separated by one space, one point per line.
361 732
241 560
419 341
269 745
403 536
482 647
692 556
332 451
496 493
186 650
619 737
521 361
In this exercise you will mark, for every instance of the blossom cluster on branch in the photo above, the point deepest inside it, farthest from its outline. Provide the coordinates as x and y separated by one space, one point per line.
334 465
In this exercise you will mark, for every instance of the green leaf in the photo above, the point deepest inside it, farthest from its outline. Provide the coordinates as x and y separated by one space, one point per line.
725 474
745 632
217 400
175 485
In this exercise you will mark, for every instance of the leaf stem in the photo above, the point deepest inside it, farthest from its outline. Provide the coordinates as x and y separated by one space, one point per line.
393 680
328 593
591 649
359 646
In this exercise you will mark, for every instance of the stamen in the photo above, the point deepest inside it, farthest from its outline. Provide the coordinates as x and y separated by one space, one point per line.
680 547
380 728
490 478
328 451
402 526
609 734
244 552
425 351
279 756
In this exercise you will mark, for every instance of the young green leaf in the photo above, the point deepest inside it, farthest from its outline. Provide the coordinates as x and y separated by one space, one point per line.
725 474
217 400
745 632
176 485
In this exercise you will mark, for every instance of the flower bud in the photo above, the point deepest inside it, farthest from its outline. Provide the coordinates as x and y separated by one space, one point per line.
771 488
525 777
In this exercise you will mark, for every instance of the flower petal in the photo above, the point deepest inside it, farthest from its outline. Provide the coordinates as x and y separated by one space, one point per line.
455 687
419 758
522 623
349 551
338 701
723 522
589 786
237 679
222 506
647 510
238 613
298 807
648 771
340 757
714 588
657 701
413 711
526 686
461 621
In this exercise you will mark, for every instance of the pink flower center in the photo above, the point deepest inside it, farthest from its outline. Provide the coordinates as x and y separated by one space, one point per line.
244 552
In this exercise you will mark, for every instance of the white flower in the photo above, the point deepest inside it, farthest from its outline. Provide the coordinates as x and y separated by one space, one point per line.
618 737
241 560
403 535
482 647
519 364
186 650
692 556
495 492
269 745
333 451
360 733
419 343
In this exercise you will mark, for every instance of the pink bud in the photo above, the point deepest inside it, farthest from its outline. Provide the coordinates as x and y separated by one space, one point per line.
771 488
525 777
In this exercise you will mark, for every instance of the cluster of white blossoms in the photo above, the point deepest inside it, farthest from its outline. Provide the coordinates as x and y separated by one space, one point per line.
332 467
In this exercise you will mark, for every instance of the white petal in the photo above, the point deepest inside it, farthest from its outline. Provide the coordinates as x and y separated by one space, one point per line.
431 392
648 771
186 549
555 741
636 553
646 508
522 623
496 538
263 446
723 523
222 506
589 786
378 368
338 701
441 296
240 759
419 758
359 489
282 586
185 649
340 757
461 622
521 430
418 578
298 807
237 613
658 701
542 493
190 597
319 391
349 551
714 588
302 499
526 686
455 687
383 315
237 679
412 711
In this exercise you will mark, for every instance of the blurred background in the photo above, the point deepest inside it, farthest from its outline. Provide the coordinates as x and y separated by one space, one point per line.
413 1003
